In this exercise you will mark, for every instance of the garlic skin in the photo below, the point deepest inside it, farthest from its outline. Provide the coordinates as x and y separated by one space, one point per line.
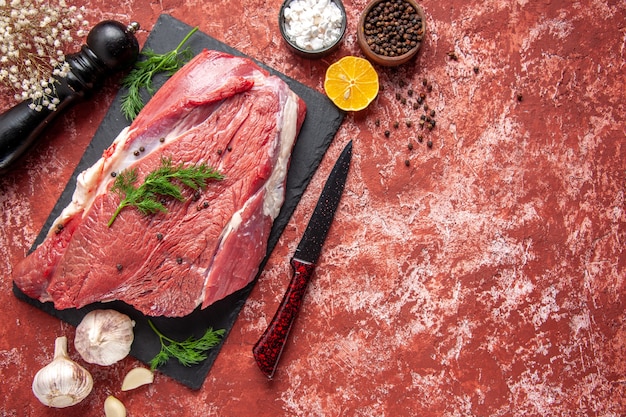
114 407
104 337
63 382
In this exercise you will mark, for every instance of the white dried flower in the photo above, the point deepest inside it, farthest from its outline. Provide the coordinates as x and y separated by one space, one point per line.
33 37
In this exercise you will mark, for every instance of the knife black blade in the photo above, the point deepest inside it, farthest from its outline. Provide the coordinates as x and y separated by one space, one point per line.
310 246
269 347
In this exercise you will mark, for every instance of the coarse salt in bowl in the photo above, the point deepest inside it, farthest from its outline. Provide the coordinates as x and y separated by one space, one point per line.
312 28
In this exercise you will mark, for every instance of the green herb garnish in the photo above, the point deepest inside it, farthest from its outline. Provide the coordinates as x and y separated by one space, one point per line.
141 76
157 184
189 352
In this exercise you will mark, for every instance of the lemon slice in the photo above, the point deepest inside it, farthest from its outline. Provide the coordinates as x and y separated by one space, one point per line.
351 83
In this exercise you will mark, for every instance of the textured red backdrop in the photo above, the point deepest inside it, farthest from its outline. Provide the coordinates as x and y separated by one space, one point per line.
485 278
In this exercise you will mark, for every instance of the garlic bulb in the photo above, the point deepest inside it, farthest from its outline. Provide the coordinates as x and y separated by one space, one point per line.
104 337
62 382
114 407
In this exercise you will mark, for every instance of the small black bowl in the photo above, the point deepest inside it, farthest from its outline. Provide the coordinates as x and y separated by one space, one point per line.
311 54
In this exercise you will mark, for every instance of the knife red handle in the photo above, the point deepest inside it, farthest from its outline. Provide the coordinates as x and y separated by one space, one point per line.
269 347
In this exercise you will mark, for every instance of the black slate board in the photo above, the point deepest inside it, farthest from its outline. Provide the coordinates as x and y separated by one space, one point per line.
320 126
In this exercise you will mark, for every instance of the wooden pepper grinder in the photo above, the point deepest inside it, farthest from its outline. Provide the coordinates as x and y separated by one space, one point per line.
111 47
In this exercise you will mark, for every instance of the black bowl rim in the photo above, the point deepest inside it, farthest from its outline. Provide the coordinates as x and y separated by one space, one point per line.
317 52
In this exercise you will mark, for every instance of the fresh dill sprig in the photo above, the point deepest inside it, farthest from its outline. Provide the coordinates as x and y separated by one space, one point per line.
159 183
190 351
144 71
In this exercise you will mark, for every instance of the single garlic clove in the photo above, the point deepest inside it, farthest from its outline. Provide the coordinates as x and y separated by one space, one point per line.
63 382
104 337
137 377
114 407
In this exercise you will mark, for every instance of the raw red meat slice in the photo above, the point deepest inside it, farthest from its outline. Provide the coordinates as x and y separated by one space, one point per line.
219 109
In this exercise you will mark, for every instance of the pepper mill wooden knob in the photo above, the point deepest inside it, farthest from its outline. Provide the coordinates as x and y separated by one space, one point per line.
111 47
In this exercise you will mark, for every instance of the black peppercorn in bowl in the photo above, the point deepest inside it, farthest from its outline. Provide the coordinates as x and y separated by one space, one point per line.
312 28
391 32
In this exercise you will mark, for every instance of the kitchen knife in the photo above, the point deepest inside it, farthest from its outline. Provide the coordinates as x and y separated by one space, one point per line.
269 347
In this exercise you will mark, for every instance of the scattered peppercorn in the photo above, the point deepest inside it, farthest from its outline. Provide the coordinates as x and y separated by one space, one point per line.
453 56
114 174
142 149
161 139
136 153
205 204
407 162
229 149
476 70
426 120
520 97
159 236
119 267
179 260
219 151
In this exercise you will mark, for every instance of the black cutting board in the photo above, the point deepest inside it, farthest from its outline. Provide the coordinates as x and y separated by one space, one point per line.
320 126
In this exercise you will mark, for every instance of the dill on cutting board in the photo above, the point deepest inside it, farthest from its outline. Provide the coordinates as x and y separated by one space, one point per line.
144 71
162 182
190 351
